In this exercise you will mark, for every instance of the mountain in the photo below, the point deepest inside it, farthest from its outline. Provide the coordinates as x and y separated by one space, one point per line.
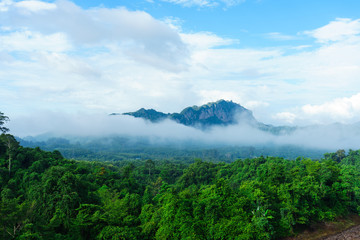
215 113
148 114
220 113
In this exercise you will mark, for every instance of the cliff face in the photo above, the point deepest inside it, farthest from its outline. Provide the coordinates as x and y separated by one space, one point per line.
215 113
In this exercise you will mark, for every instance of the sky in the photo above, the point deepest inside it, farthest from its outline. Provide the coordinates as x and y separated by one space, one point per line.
290 62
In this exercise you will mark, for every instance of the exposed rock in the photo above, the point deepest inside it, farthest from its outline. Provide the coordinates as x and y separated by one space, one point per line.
350 234
216 113
220 113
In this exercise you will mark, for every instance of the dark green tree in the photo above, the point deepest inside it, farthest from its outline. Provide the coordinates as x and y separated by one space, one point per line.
3 119
149 165
11 145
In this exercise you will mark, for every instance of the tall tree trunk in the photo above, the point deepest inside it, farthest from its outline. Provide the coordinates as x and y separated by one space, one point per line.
9 165
9 146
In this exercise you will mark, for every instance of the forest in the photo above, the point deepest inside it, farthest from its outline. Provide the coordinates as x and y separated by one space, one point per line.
46 196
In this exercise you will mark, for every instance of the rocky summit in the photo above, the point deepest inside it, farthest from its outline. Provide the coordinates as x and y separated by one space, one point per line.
215 113
220 113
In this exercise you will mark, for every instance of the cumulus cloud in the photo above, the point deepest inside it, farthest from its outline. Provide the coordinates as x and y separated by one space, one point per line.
340 29
35 6
61 56
136 32
34 41
287 117
342 110
206 40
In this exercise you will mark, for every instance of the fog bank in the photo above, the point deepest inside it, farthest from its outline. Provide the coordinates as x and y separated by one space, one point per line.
54 124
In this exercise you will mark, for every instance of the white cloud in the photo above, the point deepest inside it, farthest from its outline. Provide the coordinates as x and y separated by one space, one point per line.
285 80
189 3
33 41
340 29
139 35
280 37
68 65
238 97
87 125
112 60
214 95
343 110
4 5
340 109
206 40
232 2
255 104
35 6
287 117
205 3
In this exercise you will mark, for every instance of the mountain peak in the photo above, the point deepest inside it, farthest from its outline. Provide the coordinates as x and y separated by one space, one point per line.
211 104
148 114
215 113
221 112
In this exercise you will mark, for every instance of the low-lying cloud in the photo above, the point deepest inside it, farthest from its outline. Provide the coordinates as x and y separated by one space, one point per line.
332 137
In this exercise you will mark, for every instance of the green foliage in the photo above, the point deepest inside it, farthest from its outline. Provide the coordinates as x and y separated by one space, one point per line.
44 196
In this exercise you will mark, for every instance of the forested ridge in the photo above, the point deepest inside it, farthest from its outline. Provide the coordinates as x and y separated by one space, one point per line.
45 196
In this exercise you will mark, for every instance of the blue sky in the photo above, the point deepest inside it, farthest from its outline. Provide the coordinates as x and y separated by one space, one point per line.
290 62
247 20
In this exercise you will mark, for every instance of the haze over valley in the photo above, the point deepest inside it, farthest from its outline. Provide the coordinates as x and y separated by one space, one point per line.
222 126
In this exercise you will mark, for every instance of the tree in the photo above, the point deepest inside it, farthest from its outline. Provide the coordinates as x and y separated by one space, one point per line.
3 119
150 165
11 145
13 214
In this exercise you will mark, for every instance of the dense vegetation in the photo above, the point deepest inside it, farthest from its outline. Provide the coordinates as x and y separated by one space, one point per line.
45 196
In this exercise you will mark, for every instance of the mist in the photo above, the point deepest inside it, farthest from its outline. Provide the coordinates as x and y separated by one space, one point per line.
57 124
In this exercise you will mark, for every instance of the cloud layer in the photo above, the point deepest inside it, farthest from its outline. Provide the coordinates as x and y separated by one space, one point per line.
137 34
339 110
338 30
59 56
55 124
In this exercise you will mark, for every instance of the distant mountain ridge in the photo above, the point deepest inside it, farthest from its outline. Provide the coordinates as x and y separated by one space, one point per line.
220 113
